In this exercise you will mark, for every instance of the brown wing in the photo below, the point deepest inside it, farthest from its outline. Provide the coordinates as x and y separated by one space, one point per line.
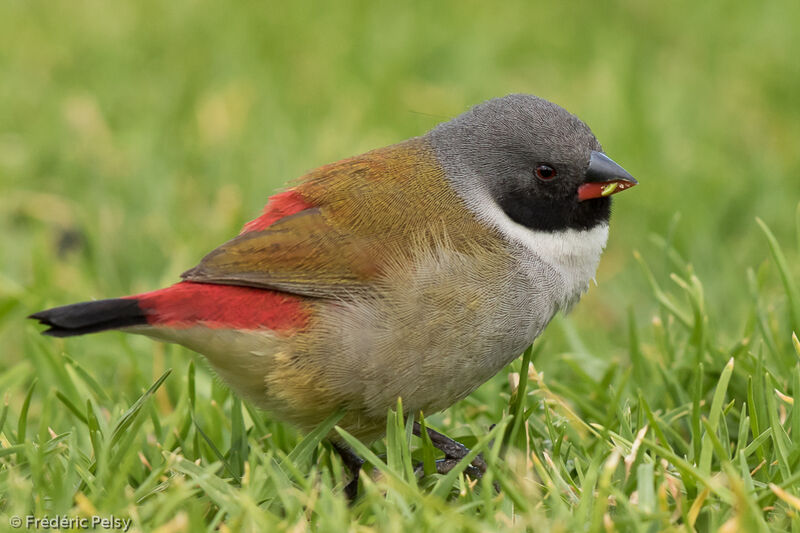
334 233
303 253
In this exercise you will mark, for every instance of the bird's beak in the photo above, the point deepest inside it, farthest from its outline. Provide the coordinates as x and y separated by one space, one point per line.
603 178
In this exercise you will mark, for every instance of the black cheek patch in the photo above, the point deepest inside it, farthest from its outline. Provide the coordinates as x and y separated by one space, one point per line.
554 214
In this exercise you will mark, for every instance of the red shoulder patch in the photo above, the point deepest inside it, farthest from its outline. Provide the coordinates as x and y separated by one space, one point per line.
278 206
189 304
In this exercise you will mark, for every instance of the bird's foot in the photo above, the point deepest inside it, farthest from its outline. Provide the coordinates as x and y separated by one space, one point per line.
353 463
454 452
443 466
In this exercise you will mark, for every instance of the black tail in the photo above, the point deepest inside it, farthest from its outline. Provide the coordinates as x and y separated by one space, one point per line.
91 317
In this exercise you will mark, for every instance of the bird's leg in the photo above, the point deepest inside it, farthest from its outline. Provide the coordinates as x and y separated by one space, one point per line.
353 463
454 452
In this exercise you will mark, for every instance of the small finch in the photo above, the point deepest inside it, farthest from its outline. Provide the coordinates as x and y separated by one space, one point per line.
415 271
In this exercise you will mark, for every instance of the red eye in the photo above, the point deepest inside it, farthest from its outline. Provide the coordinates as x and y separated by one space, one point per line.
545 172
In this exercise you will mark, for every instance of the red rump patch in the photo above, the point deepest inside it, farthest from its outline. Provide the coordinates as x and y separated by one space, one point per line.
189 304
278 206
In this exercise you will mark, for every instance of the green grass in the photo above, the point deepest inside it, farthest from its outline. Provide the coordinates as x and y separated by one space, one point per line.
135 137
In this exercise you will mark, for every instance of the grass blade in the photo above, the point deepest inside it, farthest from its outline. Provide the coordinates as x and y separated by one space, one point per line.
22 423
715 414
786 276
302 452
133 412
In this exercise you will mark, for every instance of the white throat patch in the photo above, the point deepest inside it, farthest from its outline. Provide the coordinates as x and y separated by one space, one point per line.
573 253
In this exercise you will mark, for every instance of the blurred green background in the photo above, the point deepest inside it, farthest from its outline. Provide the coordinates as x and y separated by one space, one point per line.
136 136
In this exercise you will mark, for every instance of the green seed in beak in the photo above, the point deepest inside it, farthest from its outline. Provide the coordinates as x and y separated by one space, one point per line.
609 189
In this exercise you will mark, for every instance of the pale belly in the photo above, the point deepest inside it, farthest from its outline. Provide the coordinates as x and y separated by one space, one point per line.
433 335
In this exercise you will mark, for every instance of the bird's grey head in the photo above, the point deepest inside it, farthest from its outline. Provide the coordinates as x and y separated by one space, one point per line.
530 157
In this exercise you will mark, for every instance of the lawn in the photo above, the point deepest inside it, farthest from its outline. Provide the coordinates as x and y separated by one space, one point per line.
135 137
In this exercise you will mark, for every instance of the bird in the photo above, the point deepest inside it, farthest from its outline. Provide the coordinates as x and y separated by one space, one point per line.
415 271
